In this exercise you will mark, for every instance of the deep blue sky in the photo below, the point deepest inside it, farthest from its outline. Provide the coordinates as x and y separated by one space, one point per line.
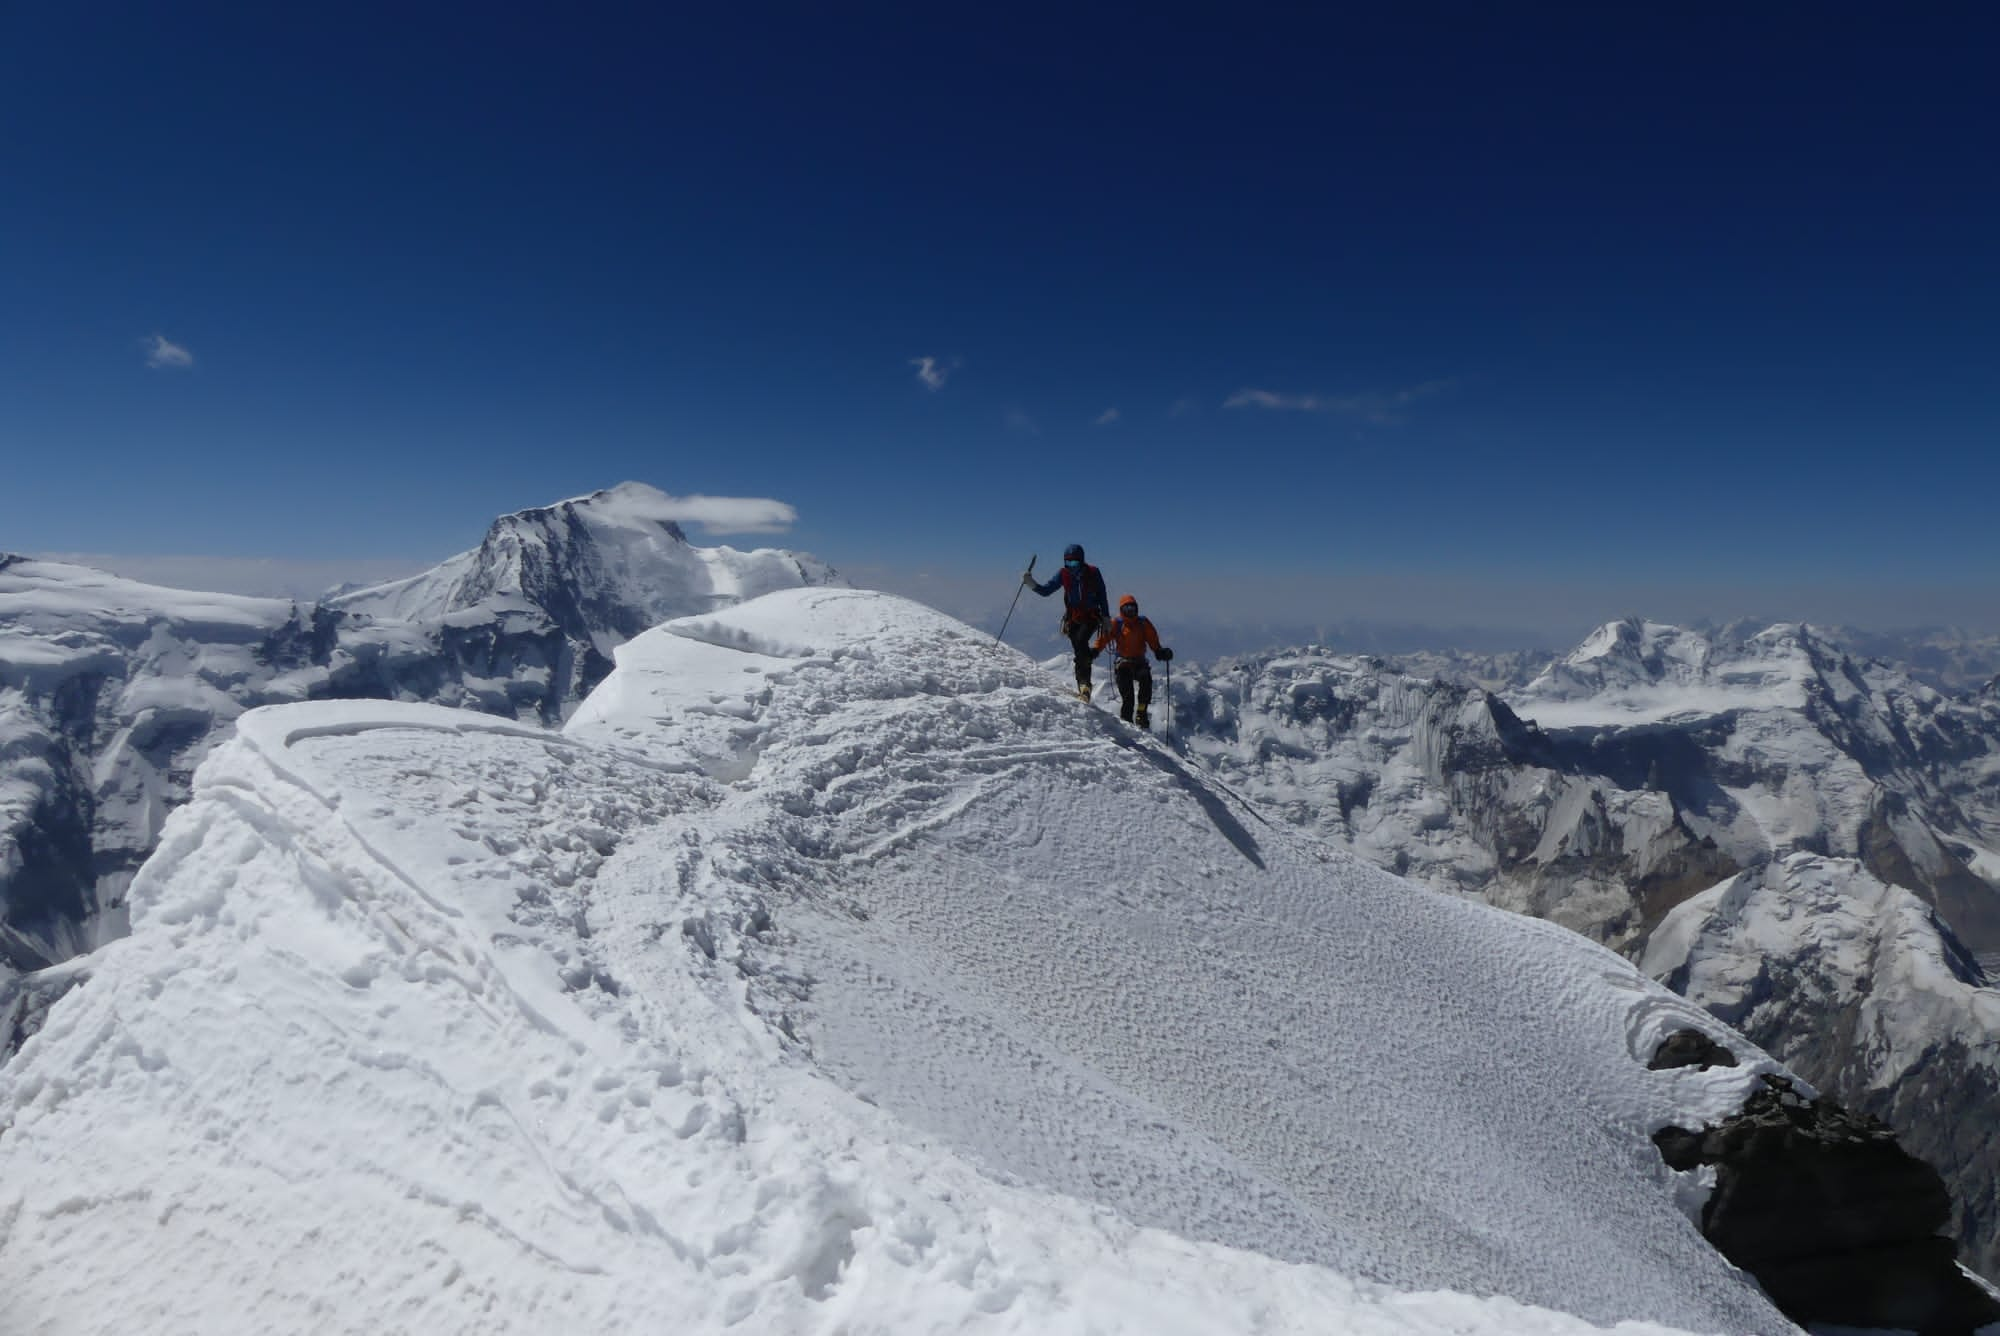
1616 297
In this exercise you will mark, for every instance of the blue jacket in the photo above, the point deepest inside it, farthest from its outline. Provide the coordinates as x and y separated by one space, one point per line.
1082 591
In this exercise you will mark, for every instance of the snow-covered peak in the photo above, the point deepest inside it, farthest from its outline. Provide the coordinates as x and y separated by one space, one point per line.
1635 643
832 970
602 567
1859 936
1635 672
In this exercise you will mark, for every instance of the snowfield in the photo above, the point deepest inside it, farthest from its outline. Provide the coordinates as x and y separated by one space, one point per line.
832 971
1634 672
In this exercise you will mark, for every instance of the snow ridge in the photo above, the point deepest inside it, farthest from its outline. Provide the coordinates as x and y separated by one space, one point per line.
832 971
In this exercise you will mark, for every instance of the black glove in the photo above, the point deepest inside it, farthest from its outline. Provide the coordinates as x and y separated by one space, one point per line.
1028 579
1165 656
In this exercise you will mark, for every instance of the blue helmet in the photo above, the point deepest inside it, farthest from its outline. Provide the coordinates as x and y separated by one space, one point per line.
1074 552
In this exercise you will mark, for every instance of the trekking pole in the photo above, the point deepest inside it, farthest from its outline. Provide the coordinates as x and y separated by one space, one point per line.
1015 604
1170 701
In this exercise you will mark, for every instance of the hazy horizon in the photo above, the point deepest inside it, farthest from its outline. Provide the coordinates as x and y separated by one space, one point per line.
1210 618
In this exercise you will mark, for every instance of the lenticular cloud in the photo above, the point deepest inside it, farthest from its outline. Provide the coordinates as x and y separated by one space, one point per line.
731 514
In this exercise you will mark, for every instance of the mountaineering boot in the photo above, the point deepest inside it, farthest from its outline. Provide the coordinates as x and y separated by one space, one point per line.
1140 719
1083 691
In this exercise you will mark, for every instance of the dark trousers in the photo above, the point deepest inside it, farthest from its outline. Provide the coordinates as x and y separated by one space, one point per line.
1080 630
1131 673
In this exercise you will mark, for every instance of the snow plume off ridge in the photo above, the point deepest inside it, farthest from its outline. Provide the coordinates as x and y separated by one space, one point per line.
831 971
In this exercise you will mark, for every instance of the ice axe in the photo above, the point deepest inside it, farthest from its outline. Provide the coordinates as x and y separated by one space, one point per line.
1016 603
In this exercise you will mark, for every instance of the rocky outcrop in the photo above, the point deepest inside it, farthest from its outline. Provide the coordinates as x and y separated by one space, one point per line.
1836 1221
1860 988
1690 1048
25 1000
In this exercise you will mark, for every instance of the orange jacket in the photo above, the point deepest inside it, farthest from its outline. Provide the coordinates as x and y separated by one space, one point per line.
1131 636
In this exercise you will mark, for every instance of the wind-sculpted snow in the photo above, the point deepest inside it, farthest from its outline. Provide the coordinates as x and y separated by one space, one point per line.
833 972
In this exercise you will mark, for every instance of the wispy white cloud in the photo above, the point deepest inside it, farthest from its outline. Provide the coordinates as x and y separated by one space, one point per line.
1106 418
731 514
164 352
1303 403
1381 407
934 371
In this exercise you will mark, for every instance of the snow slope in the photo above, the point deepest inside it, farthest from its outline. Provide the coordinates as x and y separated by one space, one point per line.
833 972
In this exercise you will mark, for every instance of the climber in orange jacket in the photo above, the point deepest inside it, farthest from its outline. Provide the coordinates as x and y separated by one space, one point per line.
1133 635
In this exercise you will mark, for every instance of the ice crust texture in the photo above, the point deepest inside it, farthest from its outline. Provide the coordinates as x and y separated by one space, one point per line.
832 971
